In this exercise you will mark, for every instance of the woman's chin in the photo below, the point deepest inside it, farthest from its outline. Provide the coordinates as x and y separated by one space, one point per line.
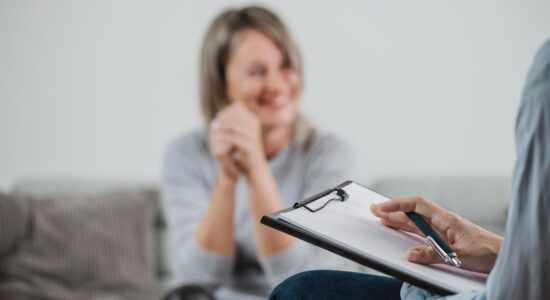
274 122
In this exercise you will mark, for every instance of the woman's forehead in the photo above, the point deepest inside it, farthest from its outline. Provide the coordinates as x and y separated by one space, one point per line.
254 45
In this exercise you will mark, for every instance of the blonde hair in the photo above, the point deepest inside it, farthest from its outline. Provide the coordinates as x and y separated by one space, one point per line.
219 42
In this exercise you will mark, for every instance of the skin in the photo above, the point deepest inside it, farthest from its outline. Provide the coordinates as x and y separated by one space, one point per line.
476 247
263 93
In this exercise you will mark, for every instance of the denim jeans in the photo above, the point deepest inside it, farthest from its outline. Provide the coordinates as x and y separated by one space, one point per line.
337 285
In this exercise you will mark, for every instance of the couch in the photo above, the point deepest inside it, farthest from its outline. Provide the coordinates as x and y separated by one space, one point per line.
481 199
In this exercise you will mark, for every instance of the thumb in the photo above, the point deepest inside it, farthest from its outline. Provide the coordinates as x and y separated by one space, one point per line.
423 255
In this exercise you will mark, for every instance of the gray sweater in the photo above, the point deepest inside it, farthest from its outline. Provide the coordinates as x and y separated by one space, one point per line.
189 174
522 269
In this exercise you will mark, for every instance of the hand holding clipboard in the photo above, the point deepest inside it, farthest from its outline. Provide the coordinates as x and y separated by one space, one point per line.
349 228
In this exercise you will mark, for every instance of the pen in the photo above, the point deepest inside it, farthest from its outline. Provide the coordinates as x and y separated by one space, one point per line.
440 246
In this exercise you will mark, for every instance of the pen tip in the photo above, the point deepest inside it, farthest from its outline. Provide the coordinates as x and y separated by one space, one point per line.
456 262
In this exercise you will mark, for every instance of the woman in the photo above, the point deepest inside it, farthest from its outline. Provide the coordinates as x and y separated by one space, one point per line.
257 156
522 268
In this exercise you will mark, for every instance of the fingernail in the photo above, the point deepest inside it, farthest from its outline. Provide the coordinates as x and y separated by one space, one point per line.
414 255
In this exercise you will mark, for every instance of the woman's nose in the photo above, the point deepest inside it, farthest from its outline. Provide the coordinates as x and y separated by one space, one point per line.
276 84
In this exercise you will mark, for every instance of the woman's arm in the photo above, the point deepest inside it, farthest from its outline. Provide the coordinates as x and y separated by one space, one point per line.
242 130
264 198
188 205
216 229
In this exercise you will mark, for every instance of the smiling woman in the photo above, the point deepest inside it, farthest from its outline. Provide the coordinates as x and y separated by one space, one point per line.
256 156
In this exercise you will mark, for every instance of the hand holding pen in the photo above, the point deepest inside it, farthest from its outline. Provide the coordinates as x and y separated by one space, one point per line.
476 247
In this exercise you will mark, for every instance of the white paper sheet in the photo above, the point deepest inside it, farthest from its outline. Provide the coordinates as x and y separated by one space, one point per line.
352 226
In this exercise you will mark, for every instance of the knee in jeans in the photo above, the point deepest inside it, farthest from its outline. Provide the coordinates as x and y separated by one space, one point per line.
294 286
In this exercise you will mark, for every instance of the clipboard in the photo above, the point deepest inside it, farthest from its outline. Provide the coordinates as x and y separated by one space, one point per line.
339 196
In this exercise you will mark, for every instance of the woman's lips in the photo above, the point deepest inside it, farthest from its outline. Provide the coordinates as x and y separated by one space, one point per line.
275 103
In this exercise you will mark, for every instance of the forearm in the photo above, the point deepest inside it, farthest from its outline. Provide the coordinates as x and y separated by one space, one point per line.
264 198
215 232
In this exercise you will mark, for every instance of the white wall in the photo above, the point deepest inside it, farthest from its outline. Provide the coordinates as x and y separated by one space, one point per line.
95 89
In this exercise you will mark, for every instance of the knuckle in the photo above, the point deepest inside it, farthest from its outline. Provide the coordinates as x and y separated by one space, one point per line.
420 199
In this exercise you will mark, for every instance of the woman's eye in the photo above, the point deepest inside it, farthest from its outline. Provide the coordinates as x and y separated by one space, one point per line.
257 71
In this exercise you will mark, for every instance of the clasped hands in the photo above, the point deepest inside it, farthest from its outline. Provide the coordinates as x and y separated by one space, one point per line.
236 139
476 247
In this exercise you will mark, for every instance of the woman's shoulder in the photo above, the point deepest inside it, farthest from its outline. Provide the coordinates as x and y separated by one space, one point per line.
321 141
191 144
309 138
327 138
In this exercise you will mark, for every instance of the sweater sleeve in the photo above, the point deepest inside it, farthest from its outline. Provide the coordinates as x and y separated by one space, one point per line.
328 163
186 196
522 269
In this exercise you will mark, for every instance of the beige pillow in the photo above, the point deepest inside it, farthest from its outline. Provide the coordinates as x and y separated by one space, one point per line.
78 247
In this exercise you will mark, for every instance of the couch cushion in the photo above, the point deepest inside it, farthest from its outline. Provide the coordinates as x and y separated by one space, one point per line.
14 223
82 247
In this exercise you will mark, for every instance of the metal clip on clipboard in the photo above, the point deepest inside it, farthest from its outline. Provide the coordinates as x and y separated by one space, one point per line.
341 195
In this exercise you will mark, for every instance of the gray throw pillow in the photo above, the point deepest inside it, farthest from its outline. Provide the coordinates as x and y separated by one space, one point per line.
14 223
79 247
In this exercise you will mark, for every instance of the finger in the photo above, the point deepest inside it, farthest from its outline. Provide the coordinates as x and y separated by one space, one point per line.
220 142
401 226
399 217
235 128
438 218
237 113
408 204
230 165
215 129
423 255
238 141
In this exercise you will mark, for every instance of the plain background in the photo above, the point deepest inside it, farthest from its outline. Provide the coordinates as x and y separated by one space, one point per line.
96 89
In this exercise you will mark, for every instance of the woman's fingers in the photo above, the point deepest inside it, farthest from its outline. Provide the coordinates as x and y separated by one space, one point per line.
237 129
238 113
396 217
229 165
394 211
415 204
419 205
401 226
423 255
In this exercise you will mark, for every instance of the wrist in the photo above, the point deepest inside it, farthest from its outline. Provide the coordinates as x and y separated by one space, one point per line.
226 180
496 243
258 168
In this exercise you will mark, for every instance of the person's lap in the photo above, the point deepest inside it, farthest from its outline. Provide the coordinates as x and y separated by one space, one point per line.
324 284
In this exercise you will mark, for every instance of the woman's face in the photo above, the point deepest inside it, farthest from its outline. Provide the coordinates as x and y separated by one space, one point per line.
257 76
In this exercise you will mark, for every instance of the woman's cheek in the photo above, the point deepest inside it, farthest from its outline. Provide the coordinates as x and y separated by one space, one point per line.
295 84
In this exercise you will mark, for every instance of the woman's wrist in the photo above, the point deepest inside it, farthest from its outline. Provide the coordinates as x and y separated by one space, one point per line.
495 242
225 180
257 171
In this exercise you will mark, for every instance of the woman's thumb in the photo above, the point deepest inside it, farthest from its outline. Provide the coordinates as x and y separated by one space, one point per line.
423 255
